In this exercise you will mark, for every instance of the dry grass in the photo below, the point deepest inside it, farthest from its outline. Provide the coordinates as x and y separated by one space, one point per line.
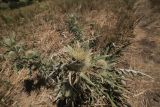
43 26
143 55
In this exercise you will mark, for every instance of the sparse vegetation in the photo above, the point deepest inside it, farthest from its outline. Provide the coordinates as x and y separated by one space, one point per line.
71 55
79 74
80 78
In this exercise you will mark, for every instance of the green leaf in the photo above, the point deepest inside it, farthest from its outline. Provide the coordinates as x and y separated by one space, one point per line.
102 57
111 101
84 77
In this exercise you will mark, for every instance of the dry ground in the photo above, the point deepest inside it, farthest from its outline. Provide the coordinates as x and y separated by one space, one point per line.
144 54
42 26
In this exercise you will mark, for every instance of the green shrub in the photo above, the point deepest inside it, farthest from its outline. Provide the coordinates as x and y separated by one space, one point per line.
4 6
13 4
7 19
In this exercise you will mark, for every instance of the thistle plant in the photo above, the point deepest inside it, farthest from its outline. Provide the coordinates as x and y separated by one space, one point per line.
87 79
18 56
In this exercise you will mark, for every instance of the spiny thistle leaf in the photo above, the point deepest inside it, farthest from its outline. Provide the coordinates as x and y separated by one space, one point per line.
131 72
84 77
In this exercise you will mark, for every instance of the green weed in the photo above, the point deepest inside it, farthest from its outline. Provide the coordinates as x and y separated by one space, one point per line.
74 27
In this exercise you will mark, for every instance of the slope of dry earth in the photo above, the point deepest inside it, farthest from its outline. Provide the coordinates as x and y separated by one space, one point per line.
144 55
